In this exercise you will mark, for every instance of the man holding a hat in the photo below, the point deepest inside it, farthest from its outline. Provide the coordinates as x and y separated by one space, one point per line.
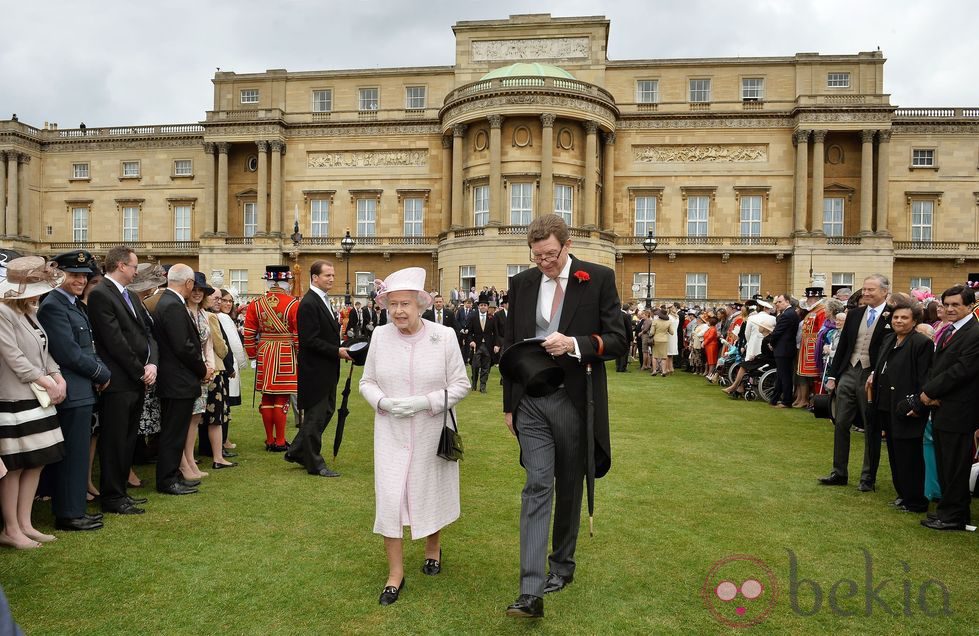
71 346
482 340
573 308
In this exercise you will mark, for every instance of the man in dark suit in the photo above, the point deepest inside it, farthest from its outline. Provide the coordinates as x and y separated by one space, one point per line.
439 313
783 346
574 306
951 389
462 317
622 362
369 319
71 346
319 369
182 370
353 322
482 341
125 343
499 322
859 343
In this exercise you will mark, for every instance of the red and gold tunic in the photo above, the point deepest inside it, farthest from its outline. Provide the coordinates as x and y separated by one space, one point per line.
271 338
811 324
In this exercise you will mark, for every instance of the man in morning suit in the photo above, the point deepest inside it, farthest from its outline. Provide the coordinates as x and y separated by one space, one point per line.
438 313
482 341
71 346
462 317
856 352
182 370
574 306
125 343
951 389
783 346
319 370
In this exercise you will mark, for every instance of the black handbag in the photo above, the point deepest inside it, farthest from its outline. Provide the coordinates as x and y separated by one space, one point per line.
450 442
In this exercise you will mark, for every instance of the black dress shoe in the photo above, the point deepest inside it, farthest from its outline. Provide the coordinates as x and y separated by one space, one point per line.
137 501
556 582
177 488
431 567
938 524
98 516
268 447
526 606
217 466
125 508
291 458
866 486
190 483
228 454
915 509
326 472
279 448
390 593
832 480
78 523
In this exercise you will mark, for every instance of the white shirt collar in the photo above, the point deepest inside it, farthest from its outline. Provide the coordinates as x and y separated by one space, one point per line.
118 285
319 292
958 324
182 299
879 309
565 272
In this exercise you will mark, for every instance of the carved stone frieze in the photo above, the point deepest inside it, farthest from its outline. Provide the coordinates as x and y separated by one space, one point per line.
367 158
711 122
530 49
574 103
843 116
124 144
372 130
700 153
968 129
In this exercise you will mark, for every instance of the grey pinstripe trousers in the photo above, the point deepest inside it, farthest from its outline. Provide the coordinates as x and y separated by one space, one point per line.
551 435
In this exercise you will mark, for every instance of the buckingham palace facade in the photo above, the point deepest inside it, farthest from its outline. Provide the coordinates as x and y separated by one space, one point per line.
751 173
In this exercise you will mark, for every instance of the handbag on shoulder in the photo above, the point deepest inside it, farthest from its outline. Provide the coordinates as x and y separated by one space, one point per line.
450 442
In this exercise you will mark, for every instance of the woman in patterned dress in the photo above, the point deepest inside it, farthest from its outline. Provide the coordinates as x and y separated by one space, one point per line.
188 466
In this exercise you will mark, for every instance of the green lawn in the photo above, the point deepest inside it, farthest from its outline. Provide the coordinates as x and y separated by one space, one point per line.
696 477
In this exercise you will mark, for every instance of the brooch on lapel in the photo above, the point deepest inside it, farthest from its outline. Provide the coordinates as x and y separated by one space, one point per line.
582 276
435 338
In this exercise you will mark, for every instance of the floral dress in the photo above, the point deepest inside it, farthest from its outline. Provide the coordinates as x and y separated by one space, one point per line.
200 321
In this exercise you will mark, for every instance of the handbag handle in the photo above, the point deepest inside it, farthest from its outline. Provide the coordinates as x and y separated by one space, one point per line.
447 412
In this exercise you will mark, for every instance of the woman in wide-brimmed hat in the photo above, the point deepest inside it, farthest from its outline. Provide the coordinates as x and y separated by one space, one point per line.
413 374
30 436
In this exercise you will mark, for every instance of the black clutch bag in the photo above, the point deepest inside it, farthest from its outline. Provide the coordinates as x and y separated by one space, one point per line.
450 442
911 403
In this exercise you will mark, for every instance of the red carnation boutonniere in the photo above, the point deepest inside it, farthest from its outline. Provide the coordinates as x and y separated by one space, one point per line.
582 276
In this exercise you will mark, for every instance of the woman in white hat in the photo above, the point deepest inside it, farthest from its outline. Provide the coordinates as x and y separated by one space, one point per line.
414 372
30 436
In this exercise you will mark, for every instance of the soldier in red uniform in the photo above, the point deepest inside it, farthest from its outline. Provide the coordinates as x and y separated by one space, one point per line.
271 338
807 365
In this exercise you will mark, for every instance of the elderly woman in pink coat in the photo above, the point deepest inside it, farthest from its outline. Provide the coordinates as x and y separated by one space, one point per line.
414 371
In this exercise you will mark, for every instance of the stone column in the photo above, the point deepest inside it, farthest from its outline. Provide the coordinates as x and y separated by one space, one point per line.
12 200
458 135
275 225
3 193
222 215
207 227
545 203
496 170
24 201
262 200
446 211
867 182
801 140
818 163
608 182
883 180
591 178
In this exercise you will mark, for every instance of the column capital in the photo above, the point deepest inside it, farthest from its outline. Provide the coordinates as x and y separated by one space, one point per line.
591 127
819 136
609 138
495 121
801 136
547 119
459 130
867 136
3 155
263 145
277 146
209 147
446 142
884 136
222 147
23 157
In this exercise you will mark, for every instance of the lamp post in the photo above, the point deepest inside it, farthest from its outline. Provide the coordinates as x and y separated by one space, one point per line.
347 243
649 244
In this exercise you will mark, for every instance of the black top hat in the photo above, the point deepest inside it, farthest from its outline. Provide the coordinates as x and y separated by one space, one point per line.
504 299
815 292
357 348
822 406
973 278
200 282
76 262
529 364
277 272
483 298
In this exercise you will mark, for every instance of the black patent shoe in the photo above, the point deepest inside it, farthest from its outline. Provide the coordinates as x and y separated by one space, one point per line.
432 567
526 606
389 594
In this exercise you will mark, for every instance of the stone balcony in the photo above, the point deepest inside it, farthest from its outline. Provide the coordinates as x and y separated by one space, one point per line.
959 250
142 248
631 245
264 115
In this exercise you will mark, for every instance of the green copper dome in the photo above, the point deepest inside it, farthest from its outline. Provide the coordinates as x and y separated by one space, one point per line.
521 69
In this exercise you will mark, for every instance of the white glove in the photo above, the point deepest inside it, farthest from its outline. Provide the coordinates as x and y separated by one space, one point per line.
385 404
406 407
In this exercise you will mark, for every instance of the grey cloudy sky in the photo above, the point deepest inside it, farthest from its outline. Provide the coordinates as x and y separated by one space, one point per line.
112 62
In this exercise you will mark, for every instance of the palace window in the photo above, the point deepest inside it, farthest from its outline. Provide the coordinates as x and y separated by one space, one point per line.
513 270
130 169
181 222
563 200
833 216
640 278
920 281
467 278
322 101
480 206
697 286
922 158
698 208
413 216
922 218
364 283
239 280
79 225
319 217
130 224
647 91
700 90
838 80
250 222
369 99
414 97
752 89
749 285
645 215
842 279
366 217
521 203
183 168
750 216
80 170
249 96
